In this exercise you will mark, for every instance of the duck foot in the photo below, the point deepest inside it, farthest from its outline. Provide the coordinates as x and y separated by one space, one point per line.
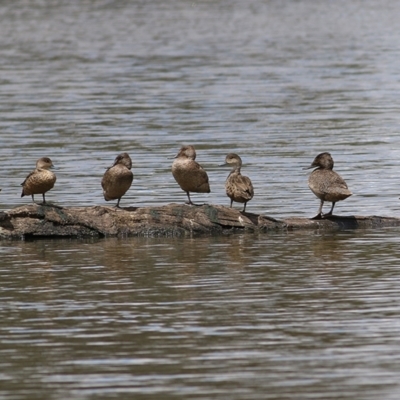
323 216
194 204
328 215
318 216
46 204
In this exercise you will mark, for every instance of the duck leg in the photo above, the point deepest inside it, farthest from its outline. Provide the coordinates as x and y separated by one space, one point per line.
244 208
331 211
190 201
319 215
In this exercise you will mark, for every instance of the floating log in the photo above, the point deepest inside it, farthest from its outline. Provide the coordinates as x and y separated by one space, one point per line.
49 220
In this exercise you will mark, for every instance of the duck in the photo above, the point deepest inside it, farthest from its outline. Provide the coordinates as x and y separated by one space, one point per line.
118 178
238 188
40 180
188 173
326 184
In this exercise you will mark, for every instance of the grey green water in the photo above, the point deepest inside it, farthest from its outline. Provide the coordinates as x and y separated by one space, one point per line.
276 316
244 317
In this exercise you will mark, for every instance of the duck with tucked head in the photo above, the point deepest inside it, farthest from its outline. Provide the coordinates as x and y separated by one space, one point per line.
326 184
189 174
238 187
40 180
118 178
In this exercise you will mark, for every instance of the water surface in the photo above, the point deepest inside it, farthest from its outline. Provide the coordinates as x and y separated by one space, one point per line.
276 83
275 316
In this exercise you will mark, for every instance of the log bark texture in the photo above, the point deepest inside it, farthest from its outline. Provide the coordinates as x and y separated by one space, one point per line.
36 221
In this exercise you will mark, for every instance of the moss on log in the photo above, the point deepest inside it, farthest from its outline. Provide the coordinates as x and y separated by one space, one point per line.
35 221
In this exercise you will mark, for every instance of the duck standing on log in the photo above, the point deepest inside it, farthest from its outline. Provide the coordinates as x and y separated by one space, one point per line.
326 184
118 178
40 180
189 174
238 187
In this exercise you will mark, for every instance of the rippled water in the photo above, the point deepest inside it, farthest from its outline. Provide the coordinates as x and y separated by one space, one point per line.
202 318
239 317
277 83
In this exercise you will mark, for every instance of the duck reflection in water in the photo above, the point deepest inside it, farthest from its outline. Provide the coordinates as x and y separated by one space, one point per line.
40 180
118 178
189 174
326 184
238 187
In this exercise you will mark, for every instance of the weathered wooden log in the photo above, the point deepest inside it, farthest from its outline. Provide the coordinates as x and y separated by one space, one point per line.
33 220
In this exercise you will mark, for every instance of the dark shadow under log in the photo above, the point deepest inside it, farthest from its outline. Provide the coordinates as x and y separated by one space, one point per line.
35 221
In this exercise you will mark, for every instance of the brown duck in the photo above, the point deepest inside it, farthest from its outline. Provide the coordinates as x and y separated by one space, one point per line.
326 184
39 181
189 174
238 187
118 178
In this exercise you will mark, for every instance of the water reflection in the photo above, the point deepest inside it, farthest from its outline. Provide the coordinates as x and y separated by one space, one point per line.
245 311
268 304
295 315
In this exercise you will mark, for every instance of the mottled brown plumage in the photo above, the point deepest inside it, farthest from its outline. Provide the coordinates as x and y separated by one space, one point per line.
326 184
118 178
238 187
189 174
40 180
